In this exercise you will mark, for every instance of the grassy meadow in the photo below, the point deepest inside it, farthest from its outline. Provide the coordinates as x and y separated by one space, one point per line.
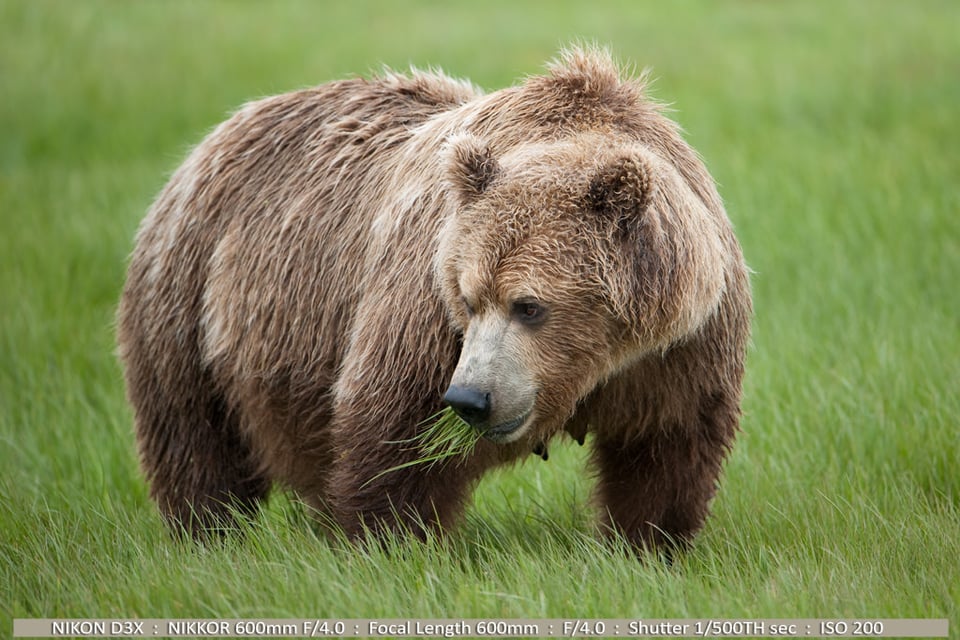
832 129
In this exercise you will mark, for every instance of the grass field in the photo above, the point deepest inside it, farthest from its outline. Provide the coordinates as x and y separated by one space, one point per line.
832 130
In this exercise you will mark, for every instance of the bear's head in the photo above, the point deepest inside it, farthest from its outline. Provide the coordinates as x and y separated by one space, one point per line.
562 263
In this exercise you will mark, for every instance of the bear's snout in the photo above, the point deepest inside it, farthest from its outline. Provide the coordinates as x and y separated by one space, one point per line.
473 405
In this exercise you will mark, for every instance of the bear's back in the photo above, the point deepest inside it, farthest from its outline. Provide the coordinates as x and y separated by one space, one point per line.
221 257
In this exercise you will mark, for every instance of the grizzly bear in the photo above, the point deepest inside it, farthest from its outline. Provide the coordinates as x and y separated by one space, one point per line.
330 267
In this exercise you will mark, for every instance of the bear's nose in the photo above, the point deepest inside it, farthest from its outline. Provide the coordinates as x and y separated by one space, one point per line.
470 404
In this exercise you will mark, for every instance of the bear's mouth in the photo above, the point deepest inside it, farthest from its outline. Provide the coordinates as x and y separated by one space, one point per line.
506 431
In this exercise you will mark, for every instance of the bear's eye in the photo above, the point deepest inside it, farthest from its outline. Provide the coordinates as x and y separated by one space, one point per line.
467 306
528 312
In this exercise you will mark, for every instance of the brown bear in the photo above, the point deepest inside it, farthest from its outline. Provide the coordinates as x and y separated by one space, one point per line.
330 267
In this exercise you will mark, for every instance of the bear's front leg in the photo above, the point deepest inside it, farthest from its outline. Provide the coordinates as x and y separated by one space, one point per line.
389 384
367 494
655 488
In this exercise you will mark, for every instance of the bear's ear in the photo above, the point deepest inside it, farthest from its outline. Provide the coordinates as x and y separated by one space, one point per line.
623 187
471 167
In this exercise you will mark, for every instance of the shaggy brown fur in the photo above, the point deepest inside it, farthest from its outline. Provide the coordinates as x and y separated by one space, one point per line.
328 262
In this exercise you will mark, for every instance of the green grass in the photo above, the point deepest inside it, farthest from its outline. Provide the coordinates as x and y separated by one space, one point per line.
832 129
444 436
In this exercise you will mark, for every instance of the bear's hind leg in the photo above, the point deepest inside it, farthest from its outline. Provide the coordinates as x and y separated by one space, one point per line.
201 471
